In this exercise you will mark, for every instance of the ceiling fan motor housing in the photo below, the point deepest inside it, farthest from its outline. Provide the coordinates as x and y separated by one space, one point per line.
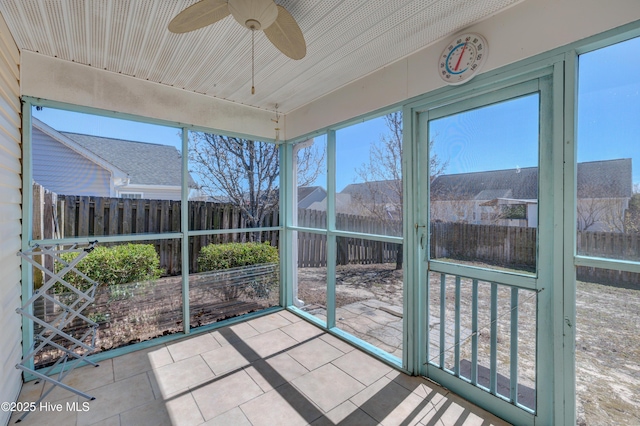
254 14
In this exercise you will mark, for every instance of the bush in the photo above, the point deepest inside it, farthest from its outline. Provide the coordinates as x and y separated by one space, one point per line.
111 266
232 255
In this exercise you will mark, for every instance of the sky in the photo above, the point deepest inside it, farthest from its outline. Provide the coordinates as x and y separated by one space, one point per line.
501 136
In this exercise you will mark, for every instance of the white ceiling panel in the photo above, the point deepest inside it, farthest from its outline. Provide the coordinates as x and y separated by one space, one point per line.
346 40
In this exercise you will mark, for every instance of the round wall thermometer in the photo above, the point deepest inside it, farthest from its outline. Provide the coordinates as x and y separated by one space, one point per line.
462 58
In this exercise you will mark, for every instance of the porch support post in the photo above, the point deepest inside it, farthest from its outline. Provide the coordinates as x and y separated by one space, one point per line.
288 249
415 211
332 249
570 203
184 227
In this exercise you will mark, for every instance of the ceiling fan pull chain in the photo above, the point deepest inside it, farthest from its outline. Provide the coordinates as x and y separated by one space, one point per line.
253 33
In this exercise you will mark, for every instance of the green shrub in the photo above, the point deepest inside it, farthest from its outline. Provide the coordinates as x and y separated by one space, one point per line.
232 255
111 266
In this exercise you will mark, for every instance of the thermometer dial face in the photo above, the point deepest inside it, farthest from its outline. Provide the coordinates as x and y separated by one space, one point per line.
462 58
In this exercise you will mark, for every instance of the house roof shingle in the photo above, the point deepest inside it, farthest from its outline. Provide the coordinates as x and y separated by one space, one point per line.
145 163
379 192
595 179
305 191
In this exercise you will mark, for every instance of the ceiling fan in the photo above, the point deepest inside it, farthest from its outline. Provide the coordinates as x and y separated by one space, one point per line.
265 15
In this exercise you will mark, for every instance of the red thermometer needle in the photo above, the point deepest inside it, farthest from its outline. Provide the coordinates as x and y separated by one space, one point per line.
461 55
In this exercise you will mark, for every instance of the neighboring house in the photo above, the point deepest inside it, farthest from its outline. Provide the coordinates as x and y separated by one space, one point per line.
510 197
344 205
374 198
77 164
307 195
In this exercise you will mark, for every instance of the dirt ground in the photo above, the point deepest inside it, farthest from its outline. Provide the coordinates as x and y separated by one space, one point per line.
608 355
354 283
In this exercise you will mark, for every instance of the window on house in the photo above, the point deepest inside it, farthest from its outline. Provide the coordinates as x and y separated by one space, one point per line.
514 211
136 195
363 248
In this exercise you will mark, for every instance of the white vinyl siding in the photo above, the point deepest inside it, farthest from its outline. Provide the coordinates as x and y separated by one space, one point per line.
151 192
10 219
64 171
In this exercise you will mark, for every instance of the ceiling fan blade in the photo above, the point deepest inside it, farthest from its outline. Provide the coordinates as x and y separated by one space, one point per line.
198 15
285 34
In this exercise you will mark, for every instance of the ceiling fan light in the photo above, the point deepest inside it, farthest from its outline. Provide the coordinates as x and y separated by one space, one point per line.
247 12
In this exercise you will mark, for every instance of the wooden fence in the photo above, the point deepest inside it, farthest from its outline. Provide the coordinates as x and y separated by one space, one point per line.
60 216
66 216
500 245
312 248
515 248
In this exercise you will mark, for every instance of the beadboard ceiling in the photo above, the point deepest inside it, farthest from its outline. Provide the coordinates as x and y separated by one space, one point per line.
346 40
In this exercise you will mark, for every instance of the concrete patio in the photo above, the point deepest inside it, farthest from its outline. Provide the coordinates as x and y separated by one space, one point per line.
273 370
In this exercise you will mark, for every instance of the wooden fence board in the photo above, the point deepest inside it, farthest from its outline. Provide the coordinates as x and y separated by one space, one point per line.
98 215
126 218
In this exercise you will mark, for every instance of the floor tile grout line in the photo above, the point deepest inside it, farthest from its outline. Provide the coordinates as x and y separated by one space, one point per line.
352 376
136 406
238 369
245 415
198 405
248 348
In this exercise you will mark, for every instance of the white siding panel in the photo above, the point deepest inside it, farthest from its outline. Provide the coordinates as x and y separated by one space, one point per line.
6 307
9 50
11 183
64 171
8 250
8 118
10 220
9 162
14 134
163 194
9 268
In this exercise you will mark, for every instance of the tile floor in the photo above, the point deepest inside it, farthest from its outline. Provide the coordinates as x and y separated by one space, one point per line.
273 370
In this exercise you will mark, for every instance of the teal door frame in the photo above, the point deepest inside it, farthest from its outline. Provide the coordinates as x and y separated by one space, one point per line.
554 342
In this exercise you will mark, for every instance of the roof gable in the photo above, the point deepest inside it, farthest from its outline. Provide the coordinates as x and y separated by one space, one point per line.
71 144
305 191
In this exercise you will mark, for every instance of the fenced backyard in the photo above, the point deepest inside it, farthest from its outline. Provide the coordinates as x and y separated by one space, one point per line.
59 216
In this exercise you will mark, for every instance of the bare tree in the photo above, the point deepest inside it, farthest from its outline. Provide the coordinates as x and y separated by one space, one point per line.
451 204
244 173
632 215
596 206
382 177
